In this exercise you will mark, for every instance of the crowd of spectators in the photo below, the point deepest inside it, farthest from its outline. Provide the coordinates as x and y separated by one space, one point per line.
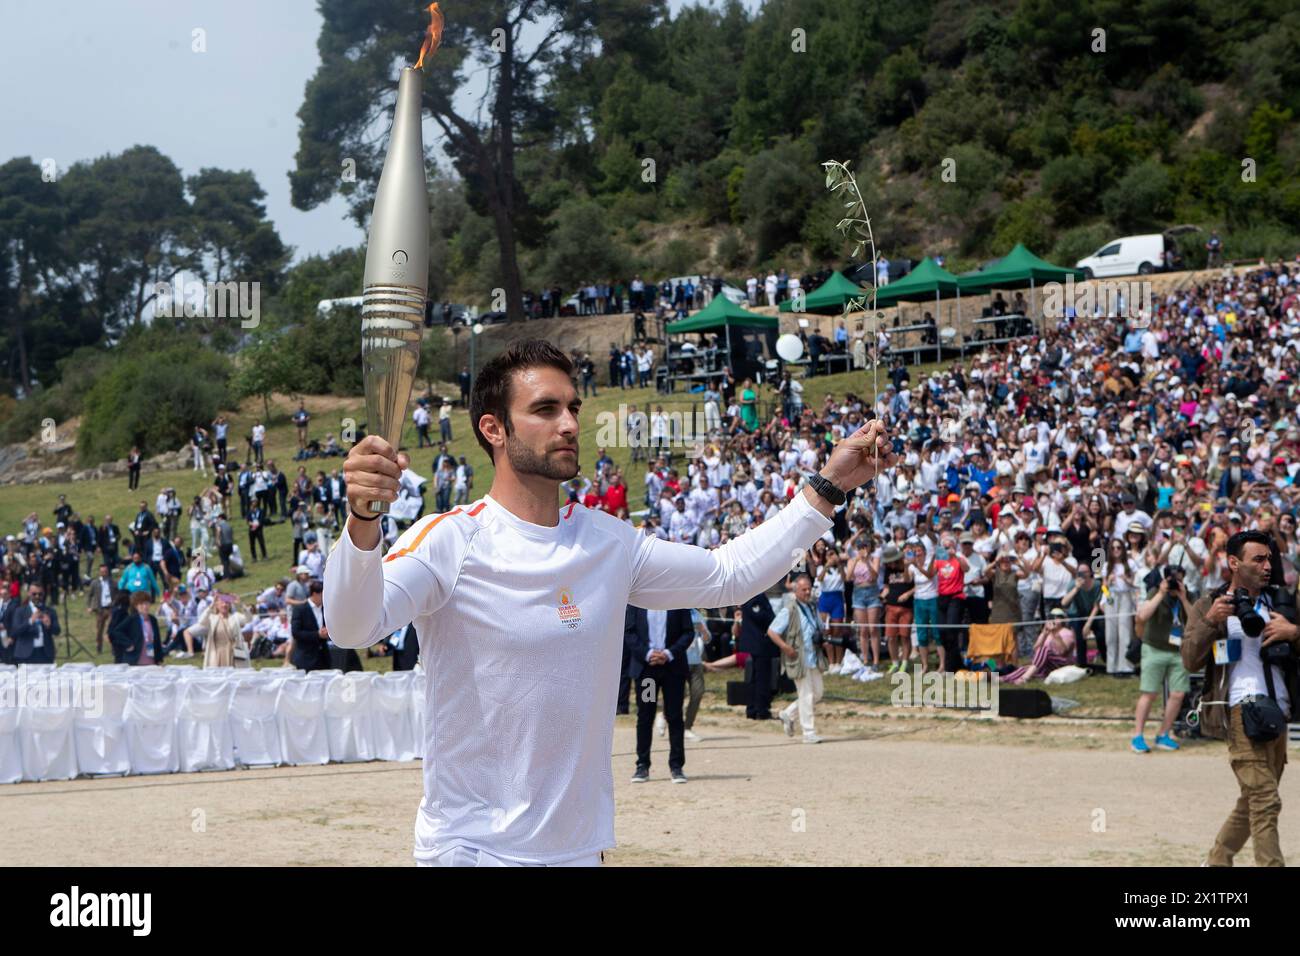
1074 486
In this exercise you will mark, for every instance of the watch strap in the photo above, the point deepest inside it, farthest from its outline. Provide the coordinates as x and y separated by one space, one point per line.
824 487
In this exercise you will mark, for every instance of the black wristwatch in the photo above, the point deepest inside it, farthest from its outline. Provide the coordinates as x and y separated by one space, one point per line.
826 489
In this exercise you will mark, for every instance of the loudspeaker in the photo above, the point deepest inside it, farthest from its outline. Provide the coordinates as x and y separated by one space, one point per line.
737 693
1023 702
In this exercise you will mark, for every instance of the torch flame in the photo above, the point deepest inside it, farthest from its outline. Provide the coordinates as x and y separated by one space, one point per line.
432 36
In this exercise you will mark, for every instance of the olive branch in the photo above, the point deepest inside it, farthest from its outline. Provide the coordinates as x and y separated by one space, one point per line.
839 177
858 220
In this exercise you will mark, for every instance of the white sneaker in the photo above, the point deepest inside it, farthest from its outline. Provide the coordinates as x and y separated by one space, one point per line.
788 724
661 726
811 739
692 735
834 669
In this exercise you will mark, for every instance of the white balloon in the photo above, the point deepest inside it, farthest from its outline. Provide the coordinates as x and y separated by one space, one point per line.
789 347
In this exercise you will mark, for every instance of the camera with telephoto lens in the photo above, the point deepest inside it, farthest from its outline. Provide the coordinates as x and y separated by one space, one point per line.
1243 608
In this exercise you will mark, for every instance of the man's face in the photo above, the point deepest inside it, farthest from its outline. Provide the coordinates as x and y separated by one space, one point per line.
542 438
103 570
36 594
136 558
1251 570
803 590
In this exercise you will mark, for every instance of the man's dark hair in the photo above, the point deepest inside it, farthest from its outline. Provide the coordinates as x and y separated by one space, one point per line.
316 587
491 395
1242 538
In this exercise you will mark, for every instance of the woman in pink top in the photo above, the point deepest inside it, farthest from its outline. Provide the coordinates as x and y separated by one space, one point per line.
950 569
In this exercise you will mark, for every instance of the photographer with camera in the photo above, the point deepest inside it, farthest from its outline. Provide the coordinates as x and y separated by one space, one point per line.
1162 618
1248 650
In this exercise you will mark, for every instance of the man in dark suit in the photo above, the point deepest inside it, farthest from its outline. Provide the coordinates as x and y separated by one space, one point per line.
281 488
109 537
174 561
136 639
404 657
624 681
33 628
307 626
756 616
7 607
142 529
88 542
256 535
338 497
657 643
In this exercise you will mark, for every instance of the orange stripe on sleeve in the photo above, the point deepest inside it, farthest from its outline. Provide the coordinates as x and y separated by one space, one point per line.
420 537
429 527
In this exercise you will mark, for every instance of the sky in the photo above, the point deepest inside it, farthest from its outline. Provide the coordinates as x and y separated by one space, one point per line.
85 78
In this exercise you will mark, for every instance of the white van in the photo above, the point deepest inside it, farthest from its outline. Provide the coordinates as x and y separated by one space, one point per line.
1124 257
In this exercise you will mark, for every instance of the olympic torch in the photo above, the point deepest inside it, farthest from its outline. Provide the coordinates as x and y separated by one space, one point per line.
396 280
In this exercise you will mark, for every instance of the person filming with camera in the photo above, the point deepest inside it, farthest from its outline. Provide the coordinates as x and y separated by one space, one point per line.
1248 650
1162 618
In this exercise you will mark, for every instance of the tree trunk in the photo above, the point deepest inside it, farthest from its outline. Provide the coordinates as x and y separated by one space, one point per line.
503 181
20 306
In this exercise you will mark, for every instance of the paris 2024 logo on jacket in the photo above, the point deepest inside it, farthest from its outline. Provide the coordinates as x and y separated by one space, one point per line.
569 613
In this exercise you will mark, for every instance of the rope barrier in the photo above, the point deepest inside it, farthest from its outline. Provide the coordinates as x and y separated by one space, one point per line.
881 623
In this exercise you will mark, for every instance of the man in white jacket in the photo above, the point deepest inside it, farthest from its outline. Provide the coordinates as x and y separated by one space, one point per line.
519 607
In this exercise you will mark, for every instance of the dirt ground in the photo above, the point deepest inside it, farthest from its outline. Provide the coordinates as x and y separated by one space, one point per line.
897 790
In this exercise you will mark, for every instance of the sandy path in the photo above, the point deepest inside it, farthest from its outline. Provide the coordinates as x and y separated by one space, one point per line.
902 792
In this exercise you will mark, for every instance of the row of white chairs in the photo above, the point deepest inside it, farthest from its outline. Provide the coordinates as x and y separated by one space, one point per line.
114 720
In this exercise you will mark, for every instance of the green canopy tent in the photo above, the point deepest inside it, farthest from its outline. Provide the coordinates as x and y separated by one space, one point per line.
722 315
830 297
928 280
1016 270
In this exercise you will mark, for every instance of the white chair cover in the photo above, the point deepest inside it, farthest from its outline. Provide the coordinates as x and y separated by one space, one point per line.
417 708
203 725
159 674
99 728
348 719
253 724
45 720
392 727
300 716
150 719
11 748
116 719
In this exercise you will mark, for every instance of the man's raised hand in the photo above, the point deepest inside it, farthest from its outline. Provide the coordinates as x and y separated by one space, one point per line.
853 460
